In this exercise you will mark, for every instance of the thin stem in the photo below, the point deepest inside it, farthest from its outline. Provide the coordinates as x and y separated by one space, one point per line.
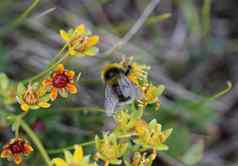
136 27
82 109
20 19
57 60
37 142
18 122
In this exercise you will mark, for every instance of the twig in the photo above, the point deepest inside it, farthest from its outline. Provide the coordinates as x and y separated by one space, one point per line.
148 10
20 19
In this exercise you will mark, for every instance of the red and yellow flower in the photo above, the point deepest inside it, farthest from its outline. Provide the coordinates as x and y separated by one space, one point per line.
61 81
80 41
16 149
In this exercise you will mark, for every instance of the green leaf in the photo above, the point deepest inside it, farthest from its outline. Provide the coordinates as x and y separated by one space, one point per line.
194 155
20 89
153 123
115 162
45 98
162 147
78 76
34 107
4 81
160 90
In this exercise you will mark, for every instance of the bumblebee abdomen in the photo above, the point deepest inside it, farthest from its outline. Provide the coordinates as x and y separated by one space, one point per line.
117 90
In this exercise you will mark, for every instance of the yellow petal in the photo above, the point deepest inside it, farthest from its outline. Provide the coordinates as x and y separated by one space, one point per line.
70 74
60 68
91 51
72 52
44 104
78 153
17 159
93 40
80 29
25 107
72 88
59 162
64 35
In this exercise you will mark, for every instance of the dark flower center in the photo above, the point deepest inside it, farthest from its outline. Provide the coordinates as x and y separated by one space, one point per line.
17 147
60 80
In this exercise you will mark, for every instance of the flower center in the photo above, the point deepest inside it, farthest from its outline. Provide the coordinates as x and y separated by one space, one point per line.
60 80
79 43
17 147
31 97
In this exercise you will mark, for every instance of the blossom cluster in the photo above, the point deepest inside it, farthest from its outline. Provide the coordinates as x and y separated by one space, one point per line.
133 142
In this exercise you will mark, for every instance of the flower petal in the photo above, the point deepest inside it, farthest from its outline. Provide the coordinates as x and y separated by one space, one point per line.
68 156
63 93
72 88
72 52
25 107
44 104
27 149
59 162
47 83
92 41
91 51
70 74
17 159
60 68
78 153
80 29
5 153
53 94
64 35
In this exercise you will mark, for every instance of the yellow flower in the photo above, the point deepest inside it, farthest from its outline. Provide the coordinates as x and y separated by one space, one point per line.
138 73
32 97
61 81
76 159
125 121
109 149
140 160
151 94
80 41
15 149
150 135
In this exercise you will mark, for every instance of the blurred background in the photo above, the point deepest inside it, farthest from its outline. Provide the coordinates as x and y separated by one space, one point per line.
193 53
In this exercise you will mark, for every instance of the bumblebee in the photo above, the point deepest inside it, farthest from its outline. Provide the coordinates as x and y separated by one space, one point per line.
119 90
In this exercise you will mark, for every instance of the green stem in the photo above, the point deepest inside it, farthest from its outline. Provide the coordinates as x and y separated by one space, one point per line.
82 109
57 60
20 19
18 122
37 142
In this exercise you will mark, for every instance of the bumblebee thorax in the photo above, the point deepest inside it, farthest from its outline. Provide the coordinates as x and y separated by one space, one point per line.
112 71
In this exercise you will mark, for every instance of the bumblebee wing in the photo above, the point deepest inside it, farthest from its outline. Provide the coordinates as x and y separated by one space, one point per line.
111 101
129 89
